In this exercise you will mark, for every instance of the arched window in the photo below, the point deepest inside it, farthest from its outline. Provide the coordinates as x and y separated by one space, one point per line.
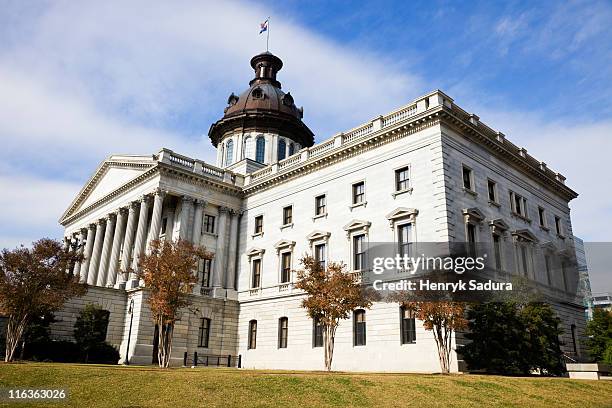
291 149
252 334
248 147
359 328
282 147
260 149
229 152
283 331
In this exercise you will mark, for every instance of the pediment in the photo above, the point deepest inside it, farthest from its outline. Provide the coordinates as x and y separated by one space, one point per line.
402 212
255 252
473 214
317 235
549 245
499 225
111 174
357 224
284 243
524 235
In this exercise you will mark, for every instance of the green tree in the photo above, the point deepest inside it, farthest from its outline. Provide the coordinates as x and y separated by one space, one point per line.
35 281
513 338
90 329
599 333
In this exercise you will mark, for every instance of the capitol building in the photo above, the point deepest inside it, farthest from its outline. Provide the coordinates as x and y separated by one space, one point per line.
427 172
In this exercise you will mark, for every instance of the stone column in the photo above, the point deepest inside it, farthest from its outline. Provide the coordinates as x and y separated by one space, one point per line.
106 248
219 270
128 242
197 221
158 202
92 273
141 234
231 257
114 256
87 253
77 265
184 217
197 235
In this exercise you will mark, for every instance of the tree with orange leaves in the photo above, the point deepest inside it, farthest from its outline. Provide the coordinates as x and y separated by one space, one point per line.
168 273
332 294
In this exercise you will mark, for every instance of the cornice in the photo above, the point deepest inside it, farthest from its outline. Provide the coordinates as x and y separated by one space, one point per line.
466 128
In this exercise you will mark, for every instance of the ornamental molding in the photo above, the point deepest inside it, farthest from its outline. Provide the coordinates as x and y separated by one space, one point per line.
255 252
357 225
283 244
318 235
473 215
402 212
524 235
498 225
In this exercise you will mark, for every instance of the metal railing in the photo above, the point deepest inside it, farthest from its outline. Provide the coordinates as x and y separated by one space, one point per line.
211 360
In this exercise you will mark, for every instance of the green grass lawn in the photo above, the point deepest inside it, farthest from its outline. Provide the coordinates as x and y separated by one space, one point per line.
116 386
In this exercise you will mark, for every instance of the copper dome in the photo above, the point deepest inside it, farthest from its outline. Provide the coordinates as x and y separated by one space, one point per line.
264 107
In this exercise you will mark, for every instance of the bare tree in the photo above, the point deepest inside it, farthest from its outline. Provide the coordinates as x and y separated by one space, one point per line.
35 281
168 273
331 295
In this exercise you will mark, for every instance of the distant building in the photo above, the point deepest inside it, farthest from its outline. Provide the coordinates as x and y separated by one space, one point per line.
583 273
602 301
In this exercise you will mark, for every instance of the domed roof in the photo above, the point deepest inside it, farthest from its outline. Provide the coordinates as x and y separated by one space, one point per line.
263 107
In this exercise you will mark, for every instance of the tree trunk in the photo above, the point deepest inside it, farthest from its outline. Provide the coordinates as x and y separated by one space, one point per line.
165 343
442 337
14 331
328 340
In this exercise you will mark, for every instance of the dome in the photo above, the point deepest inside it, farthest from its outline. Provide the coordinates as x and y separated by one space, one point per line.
264 107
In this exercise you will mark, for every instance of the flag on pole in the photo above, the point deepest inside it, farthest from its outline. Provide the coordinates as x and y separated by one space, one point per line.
263 27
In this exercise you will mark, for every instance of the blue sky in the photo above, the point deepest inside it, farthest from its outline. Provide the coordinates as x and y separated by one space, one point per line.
82 80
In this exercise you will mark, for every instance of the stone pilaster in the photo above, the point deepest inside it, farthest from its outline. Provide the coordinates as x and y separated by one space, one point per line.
128 242
156 218
141 234
114 256
230 276
186 204
219 261
92 273
197 235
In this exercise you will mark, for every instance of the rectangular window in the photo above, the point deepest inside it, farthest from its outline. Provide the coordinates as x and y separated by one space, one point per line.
359 328
407 324
558 225
359 192
497 251
206 268
283 331
204 332
258 224
404 235
317 333
209 223
285 267
359 252
541 217
548 266
320 255
164 225
320 207
471 239
256 273
524 261
492 188
287 215
402 179
467 179
252 335
518 204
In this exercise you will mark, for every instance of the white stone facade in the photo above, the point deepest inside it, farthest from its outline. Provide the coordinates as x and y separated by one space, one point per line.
131 200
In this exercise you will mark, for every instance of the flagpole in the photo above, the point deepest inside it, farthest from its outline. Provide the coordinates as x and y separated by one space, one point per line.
268 36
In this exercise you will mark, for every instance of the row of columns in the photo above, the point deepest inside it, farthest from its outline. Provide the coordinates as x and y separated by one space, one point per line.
130 228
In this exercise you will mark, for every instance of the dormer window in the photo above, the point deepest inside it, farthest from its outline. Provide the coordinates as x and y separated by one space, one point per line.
257 93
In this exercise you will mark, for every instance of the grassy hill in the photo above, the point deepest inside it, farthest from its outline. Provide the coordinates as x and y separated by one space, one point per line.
116 386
